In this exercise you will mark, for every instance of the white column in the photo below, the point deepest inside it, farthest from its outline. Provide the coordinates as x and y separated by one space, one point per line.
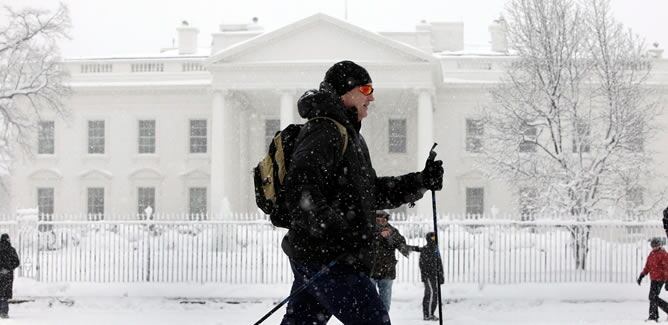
246 190
287 108
425 139
218 153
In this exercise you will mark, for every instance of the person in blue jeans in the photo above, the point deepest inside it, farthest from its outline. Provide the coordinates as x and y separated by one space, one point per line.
383 272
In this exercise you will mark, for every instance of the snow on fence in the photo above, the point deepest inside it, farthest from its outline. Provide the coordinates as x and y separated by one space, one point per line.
474 251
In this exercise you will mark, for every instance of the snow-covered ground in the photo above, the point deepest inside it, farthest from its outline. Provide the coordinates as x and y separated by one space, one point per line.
577 303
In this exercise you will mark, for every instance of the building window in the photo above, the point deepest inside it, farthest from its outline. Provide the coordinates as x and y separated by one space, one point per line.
474 133
145 202
582 138
528 142
198 133
397 136
45 207
636 141
635 200
95 203
96 137
146 141
270 129
637 144
197 206
527 202
475 202
45 203
46 138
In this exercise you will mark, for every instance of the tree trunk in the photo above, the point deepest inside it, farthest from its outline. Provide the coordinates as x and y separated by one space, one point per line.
580 236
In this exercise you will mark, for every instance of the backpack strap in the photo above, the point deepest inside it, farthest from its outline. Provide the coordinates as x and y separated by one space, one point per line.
342 130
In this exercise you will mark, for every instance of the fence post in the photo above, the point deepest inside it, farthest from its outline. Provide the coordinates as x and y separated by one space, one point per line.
28 243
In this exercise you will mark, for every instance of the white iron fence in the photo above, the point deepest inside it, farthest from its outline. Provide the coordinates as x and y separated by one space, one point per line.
475 251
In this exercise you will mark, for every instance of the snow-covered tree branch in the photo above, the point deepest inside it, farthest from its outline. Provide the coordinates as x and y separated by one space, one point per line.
570 121
572 116
31 78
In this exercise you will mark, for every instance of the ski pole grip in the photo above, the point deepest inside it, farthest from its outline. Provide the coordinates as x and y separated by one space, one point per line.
432 153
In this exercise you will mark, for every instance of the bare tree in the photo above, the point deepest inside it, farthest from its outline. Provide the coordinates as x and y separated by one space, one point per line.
571 117
31 78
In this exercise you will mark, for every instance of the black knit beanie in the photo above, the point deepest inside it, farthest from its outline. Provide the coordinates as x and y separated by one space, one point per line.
346 75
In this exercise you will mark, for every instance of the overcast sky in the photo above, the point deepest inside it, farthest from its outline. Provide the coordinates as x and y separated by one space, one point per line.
113 27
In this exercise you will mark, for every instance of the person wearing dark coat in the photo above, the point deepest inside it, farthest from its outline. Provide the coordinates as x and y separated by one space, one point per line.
431 272
657 268
331 193
9 261
384 270
665 220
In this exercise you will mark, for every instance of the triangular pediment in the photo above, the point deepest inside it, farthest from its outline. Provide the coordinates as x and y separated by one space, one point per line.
46 174
195 174
146 173
471 175
96 174
320 38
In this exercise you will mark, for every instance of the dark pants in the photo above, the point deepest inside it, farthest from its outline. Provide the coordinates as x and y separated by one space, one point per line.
655 301
4 306
348 295
430 299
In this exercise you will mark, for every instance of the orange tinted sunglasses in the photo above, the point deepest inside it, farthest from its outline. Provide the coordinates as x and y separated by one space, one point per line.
366 90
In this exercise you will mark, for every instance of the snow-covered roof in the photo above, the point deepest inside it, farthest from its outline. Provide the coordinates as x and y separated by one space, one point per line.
172 53
282 34
141 83
472 50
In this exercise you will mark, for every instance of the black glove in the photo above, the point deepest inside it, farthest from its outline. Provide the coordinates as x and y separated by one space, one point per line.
640 278
432 175
326 221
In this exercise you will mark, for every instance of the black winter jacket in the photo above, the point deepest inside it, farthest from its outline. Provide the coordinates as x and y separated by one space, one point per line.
9 260
332 196
431 265
385 262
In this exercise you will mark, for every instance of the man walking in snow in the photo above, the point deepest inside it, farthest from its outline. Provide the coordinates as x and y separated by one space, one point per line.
657 268
9 260
384 270
332 193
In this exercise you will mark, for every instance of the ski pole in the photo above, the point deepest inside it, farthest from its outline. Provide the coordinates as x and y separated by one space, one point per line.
432 156
300 289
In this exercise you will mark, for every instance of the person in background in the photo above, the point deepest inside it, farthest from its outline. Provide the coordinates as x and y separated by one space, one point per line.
665 220
431 271
9 261
384 271
657 268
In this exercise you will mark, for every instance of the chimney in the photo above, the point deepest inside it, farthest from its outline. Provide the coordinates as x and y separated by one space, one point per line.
447 36
423 36
231 34
187 38
498 31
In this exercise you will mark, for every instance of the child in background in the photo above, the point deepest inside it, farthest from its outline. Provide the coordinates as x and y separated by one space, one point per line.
657 268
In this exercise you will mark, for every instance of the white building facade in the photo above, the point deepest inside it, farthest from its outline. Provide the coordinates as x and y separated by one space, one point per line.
180 131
